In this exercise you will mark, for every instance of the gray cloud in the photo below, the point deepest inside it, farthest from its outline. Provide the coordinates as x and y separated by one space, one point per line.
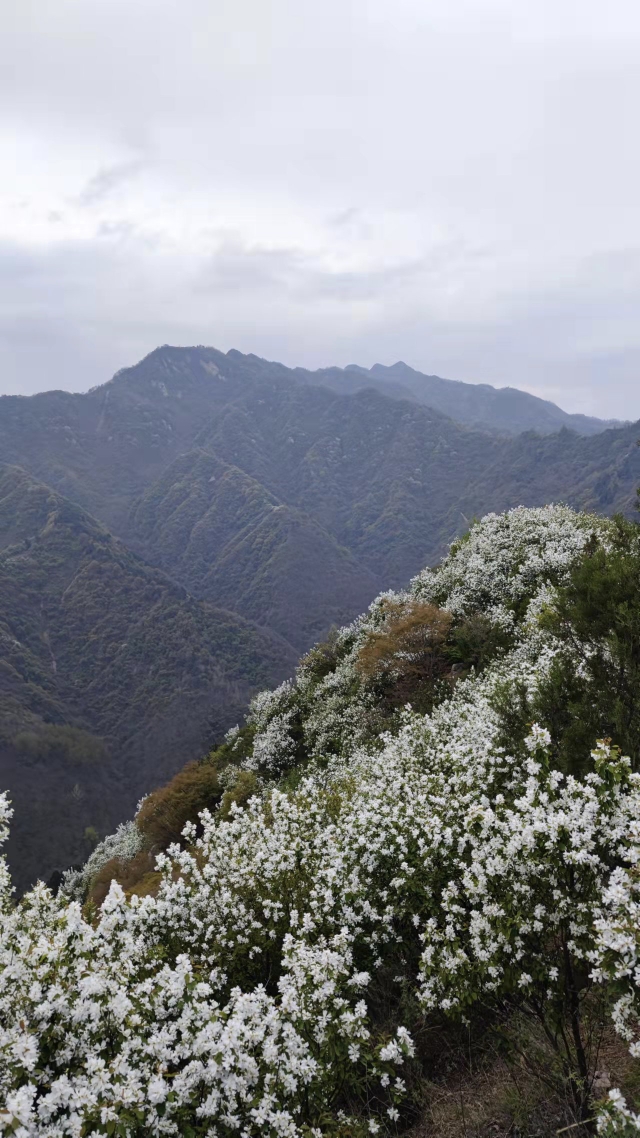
106 180
452 183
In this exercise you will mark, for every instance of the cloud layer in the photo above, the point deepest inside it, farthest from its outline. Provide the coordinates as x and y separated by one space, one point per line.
453 183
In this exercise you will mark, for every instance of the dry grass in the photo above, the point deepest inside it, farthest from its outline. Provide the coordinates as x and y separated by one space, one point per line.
483 1096
405 657
161 820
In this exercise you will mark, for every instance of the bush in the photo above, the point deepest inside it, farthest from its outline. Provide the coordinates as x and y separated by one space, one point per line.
245 785
322 658
407 655
266 976
474 642
127 873
593 687
163 814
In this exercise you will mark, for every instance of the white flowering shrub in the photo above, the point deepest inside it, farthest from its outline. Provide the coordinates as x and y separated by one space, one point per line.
124 844
617 962
141 1037
507 565
274 748
6 814
273 713
615 1120
506 558
447 859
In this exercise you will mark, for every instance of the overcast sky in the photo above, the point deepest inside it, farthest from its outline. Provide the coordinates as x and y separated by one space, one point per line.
455 183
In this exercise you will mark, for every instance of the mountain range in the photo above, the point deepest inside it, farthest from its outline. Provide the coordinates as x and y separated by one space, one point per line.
504 409
172 540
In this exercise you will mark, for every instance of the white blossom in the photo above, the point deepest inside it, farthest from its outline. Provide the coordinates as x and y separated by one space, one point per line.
236 1000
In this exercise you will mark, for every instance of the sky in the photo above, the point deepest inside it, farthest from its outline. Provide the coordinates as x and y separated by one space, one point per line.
453 183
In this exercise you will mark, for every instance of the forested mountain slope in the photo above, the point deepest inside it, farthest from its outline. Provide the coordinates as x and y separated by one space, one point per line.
105 447
402 898
383 476
262 494
232 541
395 482
111 676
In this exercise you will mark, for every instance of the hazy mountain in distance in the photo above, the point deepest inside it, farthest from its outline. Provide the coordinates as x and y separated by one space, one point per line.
504 409
382 476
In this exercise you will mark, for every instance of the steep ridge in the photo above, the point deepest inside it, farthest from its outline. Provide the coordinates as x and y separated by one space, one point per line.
389 480
104 447
111 675
231 541
506 409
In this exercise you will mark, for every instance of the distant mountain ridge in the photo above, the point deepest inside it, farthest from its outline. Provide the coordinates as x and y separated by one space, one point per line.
505 409
258 505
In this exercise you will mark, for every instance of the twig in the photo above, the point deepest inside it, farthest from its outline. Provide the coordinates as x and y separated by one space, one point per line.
574 1124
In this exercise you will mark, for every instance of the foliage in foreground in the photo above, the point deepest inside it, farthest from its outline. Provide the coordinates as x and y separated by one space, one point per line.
418 841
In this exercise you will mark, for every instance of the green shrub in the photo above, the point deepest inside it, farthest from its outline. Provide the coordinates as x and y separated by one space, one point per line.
593 693
244 787
475 641
322 658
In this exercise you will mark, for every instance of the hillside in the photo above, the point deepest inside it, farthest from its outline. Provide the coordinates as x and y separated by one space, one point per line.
111 676
382 476
250 489
232 541
396 483
104 447
405 898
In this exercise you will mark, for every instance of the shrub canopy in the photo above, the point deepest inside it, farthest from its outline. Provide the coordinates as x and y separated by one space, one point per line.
368 854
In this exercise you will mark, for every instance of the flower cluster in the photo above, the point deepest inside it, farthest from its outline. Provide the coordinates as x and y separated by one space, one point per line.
506 558
615 1120
125 844
506 568
238 999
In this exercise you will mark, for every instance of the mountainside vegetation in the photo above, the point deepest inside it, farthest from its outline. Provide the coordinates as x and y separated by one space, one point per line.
401 897
230 540
284 500
111 676
360 463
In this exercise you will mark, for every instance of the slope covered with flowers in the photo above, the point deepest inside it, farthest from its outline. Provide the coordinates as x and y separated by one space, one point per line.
409 830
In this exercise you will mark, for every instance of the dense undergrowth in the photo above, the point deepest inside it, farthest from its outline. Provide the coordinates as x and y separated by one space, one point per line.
431 833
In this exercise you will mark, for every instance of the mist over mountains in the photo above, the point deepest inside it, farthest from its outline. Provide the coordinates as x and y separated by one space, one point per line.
504 409
172 540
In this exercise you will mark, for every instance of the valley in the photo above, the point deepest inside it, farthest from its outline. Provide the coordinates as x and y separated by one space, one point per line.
175 539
